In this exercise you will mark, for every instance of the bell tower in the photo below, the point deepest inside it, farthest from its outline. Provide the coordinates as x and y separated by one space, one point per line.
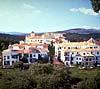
32 34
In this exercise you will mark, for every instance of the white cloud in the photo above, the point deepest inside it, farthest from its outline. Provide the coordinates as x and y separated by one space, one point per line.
84 11
28 6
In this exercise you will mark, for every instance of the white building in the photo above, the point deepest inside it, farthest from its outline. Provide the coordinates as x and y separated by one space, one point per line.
27 52
81 53
46 38
31 49
9 57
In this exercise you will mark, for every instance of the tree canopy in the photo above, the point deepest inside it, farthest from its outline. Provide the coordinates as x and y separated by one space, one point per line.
96 5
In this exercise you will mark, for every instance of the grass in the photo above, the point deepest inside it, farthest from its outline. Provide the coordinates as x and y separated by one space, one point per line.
82 73
75 72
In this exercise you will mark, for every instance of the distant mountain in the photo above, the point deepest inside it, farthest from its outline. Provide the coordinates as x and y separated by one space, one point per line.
16 33
76 34
74 30
9 37
80 31
19 33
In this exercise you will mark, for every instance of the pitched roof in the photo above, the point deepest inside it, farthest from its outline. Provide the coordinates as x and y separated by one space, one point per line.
35 37
82 50
91 40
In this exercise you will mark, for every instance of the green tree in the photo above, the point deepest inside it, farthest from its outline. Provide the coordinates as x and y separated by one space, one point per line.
51 49
40 59
48 76
88 84
38 76
97 79
15 79
96 5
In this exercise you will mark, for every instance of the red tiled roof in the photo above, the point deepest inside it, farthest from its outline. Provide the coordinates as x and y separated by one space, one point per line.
36 37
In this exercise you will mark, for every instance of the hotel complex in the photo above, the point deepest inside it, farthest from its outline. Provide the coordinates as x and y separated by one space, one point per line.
46 38
31 49
86 54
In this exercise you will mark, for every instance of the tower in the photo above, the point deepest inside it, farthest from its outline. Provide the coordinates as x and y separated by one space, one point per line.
32 34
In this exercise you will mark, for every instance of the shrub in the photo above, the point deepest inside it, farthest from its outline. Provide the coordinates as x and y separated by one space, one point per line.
48 76
38 76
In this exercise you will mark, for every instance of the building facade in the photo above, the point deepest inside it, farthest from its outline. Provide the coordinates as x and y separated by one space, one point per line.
85 53
46 38
29 53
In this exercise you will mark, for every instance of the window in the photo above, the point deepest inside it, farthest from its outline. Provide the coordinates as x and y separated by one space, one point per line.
79 63
12 62
31 55
79 58
95 47
66 58
66 63
8 57
66 53
72 53
14 56
90 59
96 58
90 47
83 53
97 52
76 48
86 59
34 55
68 47
26 55
76 58
4 57
6 62
86 63
59 47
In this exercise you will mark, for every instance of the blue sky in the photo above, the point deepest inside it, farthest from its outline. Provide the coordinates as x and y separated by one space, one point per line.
46 15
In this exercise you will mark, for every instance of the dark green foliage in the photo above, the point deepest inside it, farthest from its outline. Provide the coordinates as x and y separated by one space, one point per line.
24 59
51 49
6 39
97 79
88 84
39 76
93 83
15 79
81 37
11 37
75 80
5 43
48 76
41 69
19 65
96 5
40 59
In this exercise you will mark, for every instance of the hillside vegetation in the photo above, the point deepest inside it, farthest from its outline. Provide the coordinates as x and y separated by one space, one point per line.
81 37
38 76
